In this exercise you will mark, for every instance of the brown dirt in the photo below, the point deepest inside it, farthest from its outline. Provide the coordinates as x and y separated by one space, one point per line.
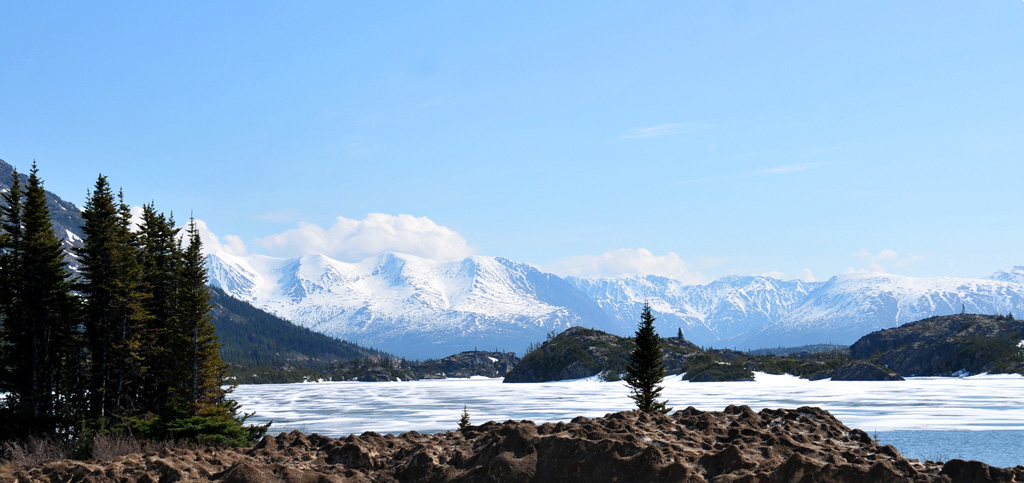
735 445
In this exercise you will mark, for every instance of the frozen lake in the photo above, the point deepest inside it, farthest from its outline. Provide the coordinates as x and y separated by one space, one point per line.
978 417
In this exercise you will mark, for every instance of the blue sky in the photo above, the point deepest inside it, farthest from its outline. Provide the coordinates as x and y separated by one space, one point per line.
689 139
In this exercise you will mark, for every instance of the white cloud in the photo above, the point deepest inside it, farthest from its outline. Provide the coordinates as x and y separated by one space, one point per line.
807 275
627 262
776 274
232 244
878 261
353 240
136 221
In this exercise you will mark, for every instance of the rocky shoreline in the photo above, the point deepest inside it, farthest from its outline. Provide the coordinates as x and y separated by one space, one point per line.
735 445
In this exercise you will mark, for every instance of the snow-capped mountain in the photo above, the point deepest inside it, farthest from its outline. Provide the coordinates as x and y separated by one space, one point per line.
418 308
851 305
1014 274
718 314
409 305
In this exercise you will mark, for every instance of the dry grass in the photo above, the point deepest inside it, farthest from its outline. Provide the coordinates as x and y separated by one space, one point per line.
35 452
107 447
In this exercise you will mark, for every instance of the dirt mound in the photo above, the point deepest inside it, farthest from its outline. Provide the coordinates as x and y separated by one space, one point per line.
735 445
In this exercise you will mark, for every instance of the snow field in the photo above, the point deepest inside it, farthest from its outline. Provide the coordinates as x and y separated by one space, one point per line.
976 403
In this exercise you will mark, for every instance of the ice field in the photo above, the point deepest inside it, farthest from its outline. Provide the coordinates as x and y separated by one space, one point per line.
909 413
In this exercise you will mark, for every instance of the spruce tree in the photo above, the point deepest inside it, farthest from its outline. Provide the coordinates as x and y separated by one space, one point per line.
159 259
646 368
40 324
205 370
464 420
115 316
10 240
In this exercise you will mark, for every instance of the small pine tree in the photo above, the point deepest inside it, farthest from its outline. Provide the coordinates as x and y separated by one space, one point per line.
680 333
464 420
646 368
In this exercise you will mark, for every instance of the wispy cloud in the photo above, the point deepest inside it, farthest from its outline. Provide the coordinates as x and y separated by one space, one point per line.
629 262
665 130
791 168
878 261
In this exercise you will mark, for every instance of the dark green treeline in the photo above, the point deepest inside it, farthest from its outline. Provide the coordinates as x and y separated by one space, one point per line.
126 345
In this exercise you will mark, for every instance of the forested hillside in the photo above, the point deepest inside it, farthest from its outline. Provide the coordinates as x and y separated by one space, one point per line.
260 347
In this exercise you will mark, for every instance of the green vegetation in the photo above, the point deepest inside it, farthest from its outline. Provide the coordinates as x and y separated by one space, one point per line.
711 367
262 348
816 365
577 352
128 348
991 354
646 368
464 420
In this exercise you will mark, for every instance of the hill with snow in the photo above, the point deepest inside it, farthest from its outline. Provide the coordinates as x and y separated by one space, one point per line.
420 308
407 305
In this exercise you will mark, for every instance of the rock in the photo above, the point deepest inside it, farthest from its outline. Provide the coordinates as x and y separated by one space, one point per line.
945 345
864 371
734 445
469 363
579 352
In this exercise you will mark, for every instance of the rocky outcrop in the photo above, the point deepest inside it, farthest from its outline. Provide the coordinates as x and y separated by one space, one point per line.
942 346
735 445
864 371
467 364
579 352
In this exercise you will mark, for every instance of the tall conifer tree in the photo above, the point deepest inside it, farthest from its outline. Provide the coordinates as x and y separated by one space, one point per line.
160 259
646 368
39 316
206 370
115 317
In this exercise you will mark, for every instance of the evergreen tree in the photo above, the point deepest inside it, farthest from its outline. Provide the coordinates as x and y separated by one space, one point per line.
10 240
40 324
159 259
646 368
205 370
464 420
115 317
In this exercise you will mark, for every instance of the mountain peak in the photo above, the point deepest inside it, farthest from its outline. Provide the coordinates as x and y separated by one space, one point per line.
1014 274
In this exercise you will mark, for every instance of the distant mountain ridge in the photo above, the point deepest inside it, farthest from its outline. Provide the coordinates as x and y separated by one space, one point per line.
422 308
724 311
407 305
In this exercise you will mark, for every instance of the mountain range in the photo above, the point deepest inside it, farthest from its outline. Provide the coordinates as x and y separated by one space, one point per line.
420 308
417 308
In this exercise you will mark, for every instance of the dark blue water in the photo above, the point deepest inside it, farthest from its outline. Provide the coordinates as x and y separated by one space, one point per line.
997 448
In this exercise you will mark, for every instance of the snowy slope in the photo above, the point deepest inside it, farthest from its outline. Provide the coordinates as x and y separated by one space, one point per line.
854 304
1014 274
719 314
420 308
408 305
